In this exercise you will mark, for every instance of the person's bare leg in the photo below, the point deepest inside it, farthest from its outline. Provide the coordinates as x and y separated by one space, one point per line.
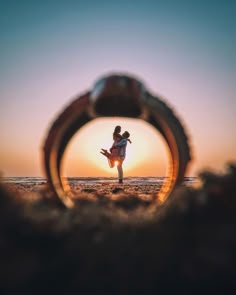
109 157
105 153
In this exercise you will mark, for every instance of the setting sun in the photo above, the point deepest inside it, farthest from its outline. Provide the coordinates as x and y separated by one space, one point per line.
116 163
145 156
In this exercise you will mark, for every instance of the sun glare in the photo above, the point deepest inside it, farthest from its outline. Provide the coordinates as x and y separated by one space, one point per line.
145 156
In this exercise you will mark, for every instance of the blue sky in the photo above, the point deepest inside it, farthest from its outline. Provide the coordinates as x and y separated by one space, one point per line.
182 50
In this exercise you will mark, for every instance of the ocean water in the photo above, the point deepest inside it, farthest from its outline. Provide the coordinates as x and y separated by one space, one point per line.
95 180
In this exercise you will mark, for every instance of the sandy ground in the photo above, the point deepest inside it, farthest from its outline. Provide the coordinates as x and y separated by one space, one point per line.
117 245
33 191
109 189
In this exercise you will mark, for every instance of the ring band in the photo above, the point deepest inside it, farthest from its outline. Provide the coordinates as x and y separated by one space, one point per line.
123 96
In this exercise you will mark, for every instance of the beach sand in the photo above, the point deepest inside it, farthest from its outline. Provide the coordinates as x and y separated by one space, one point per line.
117 245
143 188
32 191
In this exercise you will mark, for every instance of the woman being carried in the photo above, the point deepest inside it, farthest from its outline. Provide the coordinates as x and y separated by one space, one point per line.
114 152
118 153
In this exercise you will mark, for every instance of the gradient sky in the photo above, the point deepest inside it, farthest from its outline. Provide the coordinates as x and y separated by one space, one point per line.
52 50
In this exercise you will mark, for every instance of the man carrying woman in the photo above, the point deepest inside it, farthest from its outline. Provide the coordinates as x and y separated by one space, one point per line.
117 151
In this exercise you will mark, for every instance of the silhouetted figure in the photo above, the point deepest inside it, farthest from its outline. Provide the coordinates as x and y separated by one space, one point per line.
116 138
114 152
122 144
117 151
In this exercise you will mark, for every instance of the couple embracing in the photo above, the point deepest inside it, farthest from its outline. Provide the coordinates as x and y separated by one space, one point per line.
117 151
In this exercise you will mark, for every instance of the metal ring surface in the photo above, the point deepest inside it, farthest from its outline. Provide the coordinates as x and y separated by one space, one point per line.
123 96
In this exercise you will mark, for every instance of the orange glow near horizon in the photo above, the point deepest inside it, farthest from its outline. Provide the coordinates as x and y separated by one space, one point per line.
145 156
116 163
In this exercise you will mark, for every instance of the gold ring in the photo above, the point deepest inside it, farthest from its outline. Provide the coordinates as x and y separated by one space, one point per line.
123 96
